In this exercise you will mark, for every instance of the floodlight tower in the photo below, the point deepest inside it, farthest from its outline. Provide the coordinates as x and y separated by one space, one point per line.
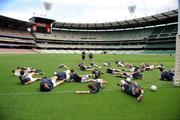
177 64
132 9
47 5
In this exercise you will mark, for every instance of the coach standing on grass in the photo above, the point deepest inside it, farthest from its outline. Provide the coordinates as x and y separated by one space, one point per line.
90 56
83 55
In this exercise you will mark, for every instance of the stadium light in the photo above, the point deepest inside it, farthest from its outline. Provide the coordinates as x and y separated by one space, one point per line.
132 9
177 64
47 5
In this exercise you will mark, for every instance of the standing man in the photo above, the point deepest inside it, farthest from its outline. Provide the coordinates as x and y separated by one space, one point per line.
90 56
83 55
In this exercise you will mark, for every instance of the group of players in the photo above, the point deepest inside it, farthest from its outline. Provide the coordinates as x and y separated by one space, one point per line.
29 75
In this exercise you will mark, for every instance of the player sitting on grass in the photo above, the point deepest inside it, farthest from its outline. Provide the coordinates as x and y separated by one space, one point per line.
28 78
132 89
166 74
94 87
47 84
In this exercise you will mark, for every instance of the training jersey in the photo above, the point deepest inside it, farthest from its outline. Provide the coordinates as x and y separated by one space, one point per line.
130 89
61 75
96 88
24 79
48 82
82 67
97 73
75 77
109 70
167 75
137 75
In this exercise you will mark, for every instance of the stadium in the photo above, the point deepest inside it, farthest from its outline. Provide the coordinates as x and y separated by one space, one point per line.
45 44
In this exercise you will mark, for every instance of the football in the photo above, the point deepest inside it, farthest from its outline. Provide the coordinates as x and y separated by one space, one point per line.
153 88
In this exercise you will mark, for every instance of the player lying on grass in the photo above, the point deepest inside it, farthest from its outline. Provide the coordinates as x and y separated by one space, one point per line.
113 71
132 89
47 84
64 75
27 70
58 78
147 67
63 66
28 77
132 75
166 74
94 87
123 64
83 67
79 78
134 68
93 64
107 64
160 66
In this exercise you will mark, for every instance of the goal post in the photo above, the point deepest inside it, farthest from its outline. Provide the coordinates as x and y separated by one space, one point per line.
177 63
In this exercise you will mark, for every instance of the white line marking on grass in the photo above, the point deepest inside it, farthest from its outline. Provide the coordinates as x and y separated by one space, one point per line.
36 93
58 92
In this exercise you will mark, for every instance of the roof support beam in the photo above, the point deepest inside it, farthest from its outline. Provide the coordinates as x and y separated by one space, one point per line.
165 15
127 22
95 26
145 19
103 26
156 18
119 24
175 11
70 27
79 26
137 22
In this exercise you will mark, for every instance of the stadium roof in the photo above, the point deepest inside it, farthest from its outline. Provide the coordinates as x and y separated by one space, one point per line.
162 18
41 20
6 21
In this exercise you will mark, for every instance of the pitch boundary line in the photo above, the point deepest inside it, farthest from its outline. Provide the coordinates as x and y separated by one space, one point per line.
59 92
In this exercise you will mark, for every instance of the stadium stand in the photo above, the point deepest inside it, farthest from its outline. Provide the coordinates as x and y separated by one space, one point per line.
14 34
137 34
156 32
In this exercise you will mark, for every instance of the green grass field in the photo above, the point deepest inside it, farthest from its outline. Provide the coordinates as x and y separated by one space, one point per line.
18 102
